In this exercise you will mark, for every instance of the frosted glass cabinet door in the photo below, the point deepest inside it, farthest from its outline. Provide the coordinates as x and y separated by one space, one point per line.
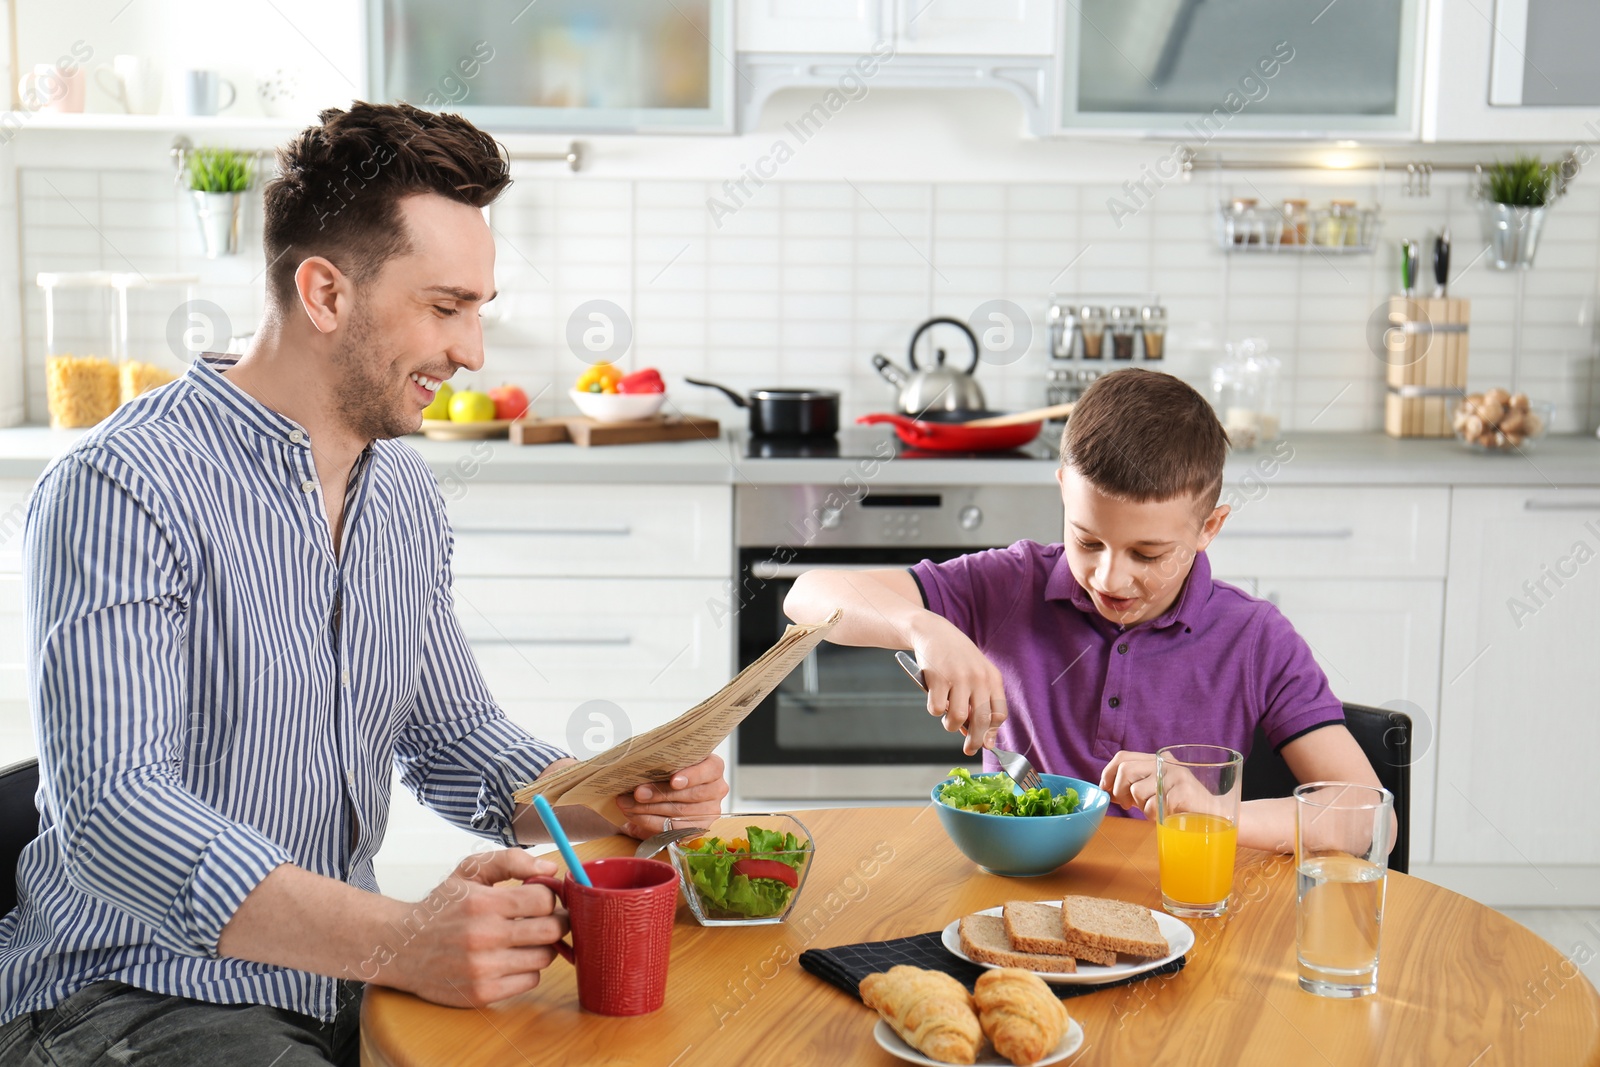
1218 68
558 64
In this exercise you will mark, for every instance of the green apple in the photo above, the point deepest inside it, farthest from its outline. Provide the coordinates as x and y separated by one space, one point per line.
440 408
470 406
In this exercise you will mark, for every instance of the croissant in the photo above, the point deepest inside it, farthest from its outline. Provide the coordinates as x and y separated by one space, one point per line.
930 1010
1020 1014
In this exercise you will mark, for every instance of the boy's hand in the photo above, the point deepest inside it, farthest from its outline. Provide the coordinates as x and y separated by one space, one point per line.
694 792
964 688
1130 778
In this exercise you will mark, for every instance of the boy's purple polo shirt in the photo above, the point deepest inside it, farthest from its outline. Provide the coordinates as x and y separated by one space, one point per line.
1079 687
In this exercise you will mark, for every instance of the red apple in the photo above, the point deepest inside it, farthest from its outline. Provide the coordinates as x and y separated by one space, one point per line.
510 402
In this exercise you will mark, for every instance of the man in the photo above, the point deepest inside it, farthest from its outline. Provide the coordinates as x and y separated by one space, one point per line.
240 617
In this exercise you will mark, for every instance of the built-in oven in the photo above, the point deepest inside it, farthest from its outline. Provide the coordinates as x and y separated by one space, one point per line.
848 723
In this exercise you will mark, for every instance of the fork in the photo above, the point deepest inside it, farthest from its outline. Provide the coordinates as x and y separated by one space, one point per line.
1014 763
656 842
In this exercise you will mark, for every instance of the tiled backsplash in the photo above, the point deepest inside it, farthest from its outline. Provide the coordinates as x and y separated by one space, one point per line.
805 280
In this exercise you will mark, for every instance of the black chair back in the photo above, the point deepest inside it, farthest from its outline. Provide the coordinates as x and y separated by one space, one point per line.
1384 735
19 823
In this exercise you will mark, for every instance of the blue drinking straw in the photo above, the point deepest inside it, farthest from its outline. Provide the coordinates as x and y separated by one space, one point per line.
559 836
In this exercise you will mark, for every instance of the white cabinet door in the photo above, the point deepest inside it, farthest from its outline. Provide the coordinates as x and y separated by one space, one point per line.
1520 702
548 639
1304 532
1378 643
1461 61
636 531
823 26
975 27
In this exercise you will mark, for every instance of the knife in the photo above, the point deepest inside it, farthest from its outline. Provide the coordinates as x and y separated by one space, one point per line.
1408 266
1441 263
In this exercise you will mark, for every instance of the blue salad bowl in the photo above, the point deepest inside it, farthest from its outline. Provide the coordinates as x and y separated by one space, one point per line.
1024 846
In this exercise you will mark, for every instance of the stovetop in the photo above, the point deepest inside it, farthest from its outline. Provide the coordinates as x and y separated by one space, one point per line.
879 442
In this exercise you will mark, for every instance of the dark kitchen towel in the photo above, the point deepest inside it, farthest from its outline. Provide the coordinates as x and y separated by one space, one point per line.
846 965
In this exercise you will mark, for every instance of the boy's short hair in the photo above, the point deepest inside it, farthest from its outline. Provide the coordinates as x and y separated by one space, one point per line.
340 182
1146 436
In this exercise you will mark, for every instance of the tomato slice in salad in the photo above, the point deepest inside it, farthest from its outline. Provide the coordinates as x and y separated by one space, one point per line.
780 872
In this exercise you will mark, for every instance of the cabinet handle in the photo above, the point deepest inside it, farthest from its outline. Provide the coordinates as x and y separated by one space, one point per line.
616 529
615 639
767 571
1561 505
1341 534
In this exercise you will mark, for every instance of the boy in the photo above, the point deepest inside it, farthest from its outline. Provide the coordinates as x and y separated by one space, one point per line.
1116 642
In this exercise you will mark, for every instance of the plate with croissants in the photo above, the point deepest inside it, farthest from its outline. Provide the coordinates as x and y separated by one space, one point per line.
1011 1017
1077 940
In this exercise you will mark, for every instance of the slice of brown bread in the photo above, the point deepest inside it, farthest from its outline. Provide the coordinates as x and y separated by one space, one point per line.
1034 927
1084 954
983 938
1114 925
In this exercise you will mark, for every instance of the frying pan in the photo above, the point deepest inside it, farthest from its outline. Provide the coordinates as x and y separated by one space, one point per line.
969 431
945 431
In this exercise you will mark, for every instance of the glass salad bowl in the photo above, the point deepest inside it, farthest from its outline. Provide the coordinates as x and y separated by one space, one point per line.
745 870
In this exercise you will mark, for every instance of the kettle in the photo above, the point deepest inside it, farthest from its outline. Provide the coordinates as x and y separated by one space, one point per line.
939 387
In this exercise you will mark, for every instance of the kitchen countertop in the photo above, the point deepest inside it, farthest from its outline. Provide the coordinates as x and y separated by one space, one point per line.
1299 459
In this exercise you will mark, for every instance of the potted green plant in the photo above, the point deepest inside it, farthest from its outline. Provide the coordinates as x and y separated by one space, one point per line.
218 179
1516 196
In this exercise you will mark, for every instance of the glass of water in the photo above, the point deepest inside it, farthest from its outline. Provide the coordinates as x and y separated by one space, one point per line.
1341 851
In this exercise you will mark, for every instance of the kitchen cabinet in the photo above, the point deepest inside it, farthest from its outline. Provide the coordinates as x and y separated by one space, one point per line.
1360 573
613 65
587 609
1519 727
913 27
1524 74
1250 68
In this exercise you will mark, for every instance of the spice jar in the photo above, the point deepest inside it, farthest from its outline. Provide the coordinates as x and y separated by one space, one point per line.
1296 223
1092 328
1337 226
1153 325
1124 321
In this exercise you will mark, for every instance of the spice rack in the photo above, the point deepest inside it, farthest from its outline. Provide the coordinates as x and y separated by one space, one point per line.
1246 229
1092 333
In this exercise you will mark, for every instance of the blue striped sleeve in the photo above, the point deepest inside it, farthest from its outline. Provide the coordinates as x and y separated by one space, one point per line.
111 681
458 752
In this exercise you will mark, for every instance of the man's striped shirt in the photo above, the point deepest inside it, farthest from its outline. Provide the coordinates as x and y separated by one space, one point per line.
215 692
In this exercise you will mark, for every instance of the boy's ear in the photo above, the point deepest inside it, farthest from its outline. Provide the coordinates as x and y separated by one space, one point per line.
1212 526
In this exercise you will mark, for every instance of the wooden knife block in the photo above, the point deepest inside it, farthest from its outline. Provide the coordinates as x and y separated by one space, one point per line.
1426 350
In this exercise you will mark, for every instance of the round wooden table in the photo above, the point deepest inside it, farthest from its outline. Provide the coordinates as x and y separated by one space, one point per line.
1459 983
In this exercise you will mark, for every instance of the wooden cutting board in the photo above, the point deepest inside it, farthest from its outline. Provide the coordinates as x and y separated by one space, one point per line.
589 433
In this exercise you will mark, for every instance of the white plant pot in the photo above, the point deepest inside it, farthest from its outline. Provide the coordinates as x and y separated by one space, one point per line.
1512 233
218 215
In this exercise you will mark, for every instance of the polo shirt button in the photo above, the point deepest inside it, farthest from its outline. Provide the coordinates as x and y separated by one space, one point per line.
308 486
295 437
1122 649
1114 701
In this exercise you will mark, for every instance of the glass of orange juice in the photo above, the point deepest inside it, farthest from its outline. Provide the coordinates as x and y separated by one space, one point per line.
1197 826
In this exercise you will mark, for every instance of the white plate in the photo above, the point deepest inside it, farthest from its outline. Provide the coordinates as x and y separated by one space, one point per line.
891 1042
1180 939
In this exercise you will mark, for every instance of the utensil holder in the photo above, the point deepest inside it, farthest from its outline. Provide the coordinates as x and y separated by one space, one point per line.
1426 350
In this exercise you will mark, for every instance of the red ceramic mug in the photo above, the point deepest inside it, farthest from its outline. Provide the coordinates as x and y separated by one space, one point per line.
621 932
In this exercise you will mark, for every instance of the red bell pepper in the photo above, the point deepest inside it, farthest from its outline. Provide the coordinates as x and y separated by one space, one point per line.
647 380
780 872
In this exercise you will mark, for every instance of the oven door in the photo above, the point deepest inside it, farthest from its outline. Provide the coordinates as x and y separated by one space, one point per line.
848 723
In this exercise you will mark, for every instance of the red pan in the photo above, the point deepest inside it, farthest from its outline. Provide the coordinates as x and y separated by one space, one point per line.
936 431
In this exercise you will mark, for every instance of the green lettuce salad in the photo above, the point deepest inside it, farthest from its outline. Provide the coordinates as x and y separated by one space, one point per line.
993 794
755 876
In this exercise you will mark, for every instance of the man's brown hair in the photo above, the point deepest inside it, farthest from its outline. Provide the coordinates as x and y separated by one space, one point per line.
1145 436
339 185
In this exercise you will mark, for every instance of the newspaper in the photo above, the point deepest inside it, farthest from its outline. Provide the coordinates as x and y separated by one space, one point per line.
655 755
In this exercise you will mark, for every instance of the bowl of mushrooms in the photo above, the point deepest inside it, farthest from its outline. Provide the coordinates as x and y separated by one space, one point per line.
1498 420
